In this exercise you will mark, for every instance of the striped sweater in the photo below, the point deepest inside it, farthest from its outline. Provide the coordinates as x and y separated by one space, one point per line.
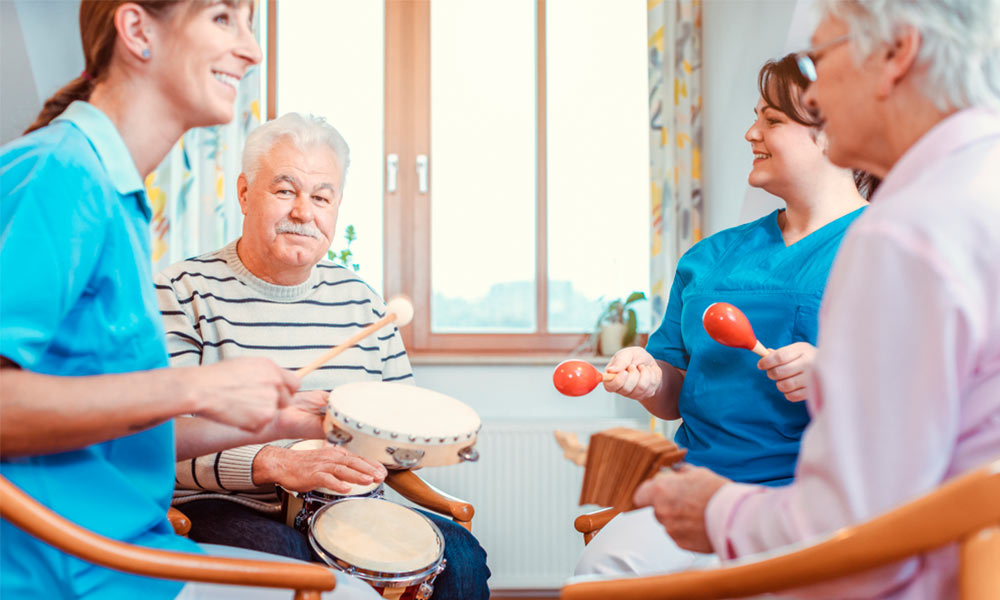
214 308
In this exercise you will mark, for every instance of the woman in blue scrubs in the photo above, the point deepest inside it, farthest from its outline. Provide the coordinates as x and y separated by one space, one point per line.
86 401
742 418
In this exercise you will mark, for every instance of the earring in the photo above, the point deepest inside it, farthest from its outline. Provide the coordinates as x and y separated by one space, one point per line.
146 53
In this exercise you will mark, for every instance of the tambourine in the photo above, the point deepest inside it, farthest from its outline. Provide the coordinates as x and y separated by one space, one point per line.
401 426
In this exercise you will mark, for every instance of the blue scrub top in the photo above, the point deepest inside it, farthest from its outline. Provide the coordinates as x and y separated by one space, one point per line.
78 299
736 422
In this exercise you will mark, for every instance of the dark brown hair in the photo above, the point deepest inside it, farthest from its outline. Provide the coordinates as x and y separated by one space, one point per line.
781 85
98 35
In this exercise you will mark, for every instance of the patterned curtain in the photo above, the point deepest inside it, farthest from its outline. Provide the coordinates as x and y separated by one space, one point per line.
193 191
675 139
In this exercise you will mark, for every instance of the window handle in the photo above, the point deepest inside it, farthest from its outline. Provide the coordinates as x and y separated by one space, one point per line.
422 173
391 166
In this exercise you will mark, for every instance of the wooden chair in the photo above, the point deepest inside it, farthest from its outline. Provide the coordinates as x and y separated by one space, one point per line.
308 581
408 485
589 524
965 510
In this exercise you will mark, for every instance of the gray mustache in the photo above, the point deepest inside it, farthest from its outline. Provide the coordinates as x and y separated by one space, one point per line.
286 226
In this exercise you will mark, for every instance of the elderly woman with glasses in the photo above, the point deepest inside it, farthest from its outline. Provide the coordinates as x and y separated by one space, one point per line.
742 418
905 389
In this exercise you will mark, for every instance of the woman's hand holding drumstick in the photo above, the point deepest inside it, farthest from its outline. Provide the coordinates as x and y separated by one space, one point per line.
398 309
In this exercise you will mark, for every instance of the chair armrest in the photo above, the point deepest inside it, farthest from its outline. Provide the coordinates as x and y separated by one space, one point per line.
963 510
179 521
17 507
590 523
418 491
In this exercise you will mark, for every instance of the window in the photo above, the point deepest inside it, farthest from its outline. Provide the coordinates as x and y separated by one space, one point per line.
504 145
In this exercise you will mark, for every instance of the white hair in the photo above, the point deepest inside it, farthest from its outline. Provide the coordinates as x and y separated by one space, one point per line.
305 131
960 43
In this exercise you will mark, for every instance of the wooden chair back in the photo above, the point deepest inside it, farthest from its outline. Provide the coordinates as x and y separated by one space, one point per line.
965 510
308 580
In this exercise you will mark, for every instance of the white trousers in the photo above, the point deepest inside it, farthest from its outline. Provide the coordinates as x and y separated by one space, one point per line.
348 588
634 543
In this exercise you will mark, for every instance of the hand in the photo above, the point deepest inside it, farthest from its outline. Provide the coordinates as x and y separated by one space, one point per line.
303 418
242 392
637 376
789 366
679 499
330 467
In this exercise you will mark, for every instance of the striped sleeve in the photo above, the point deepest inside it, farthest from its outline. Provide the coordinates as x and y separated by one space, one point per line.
184 341
227 471
395 362
395 365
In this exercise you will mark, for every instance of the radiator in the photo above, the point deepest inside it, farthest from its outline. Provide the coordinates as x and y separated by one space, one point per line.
526 495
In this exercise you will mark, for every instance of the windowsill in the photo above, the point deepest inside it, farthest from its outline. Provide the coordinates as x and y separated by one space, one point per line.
500 359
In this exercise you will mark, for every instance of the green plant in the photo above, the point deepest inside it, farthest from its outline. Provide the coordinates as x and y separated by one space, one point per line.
620 312
345 256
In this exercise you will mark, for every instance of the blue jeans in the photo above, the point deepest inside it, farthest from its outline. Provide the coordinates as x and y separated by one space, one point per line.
231 524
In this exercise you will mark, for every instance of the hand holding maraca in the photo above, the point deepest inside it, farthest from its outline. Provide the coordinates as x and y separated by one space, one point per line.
635 374
632 373
788 367
577 377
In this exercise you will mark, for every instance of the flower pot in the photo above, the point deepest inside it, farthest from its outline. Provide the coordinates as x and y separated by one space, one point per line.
611 338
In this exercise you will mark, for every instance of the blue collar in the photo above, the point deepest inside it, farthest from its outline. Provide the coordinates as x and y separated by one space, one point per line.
110 148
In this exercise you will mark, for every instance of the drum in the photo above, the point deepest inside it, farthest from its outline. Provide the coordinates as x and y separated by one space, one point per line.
395 549
299 506
401 426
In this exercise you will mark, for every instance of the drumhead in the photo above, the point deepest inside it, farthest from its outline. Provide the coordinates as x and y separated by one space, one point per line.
404 409
377 535
357 489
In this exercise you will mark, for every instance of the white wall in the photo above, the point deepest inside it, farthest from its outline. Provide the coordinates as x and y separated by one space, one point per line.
739 36
506 392
40 53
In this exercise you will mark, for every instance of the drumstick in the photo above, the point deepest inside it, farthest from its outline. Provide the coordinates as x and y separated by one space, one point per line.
398 309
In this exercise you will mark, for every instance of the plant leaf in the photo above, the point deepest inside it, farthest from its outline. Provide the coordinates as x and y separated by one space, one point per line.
634 297
630 328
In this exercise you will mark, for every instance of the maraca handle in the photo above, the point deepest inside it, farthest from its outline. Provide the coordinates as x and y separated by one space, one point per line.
760 350
608 376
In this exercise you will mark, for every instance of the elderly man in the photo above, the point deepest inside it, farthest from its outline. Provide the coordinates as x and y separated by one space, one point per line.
272 293
906 384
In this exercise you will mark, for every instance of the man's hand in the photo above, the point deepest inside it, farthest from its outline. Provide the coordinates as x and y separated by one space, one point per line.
303 418
679 499
330 467
637 376
788 366
242 392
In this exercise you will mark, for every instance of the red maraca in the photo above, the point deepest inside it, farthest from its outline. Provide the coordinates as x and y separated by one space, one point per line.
730 327
578 377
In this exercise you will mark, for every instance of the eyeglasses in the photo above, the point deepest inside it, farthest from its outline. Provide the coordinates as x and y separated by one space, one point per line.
807 59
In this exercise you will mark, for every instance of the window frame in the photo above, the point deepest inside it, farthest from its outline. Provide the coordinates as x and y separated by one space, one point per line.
407 217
